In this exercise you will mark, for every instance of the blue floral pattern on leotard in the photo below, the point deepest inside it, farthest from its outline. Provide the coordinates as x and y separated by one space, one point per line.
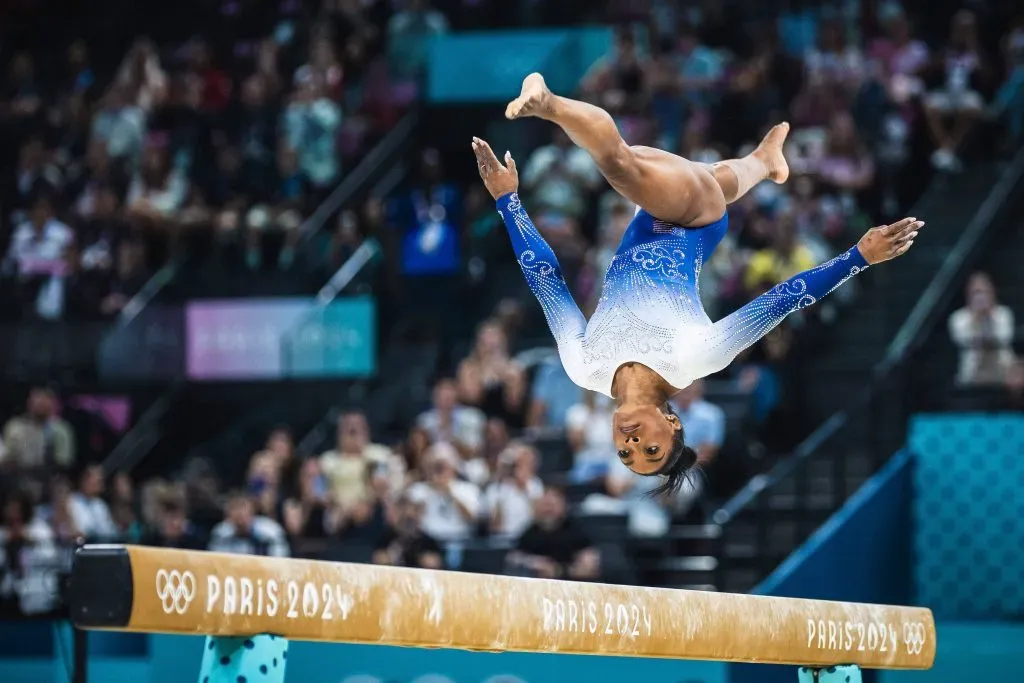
650 310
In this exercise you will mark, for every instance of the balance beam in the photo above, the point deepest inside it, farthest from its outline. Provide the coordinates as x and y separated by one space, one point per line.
156 590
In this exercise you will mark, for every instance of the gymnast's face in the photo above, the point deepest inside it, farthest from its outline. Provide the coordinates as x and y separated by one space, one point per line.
643 437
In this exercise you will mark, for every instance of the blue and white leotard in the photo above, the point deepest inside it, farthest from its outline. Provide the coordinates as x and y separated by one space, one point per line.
650 311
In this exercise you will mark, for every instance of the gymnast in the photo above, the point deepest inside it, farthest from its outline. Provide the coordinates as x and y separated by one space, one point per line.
649 336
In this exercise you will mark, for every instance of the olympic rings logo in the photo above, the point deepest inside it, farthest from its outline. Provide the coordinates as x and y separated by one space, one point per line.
175 590
914 637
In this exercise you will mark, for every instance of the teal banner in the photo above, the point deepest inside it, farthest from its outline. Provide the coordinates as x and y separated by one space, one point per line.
969 515
480 67
338 340
268 339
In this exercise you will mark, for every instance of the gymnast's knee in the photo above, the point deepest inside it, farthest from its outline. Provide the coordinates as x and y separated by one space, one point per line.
618 163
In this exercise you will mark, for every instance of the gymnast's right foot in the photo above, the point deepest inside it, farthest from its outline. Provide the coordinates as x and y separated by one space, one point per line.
770 153
534 100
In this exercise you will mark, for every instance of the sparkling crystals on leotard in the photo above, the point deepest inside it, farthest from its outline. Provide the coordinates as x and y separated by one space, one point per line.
540 267
669 262
650 310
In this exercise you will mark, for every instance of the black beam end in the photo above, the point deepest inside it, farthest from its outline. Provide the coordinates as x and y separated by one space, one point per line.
101 593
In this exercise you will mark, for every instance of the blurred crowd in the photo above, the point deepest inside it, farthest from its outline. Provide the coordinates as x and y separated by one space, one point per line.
510 467
226 142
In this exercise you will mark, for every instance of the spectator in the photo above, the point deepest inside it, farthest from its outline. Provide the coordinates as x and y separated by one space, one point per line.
39 439
58 513
142 76
966 73
847 166
617 80
489 380
156 191
34 171
128 278
458 425
450 505
283 216
26 545
559 176
252 125
123 508
120 125
1009 101
304 514
610 231
175 530
24 93
409 33
588 428
704 426
900 58
509 500
782 260
89 511
833 74
348 467
38 253
554 547
202 494
310 125
405 544
552 395
983 331
245 533
429 218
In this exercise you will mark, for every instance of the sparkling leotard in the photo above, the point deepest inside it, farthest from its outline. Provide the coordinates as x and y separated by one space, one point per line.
650 310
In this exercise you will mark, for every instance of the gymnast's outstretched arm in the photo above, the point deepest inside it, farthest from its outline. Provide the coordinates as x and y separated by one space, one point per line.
536 259
737 331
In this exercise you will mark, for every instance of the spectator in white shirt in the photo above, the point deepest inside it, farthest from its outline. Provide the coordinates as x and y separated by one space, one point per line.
458 425
558 176
27 555
588 427
244 533
89 511
38 252
704 425
450 506
509 501
983 331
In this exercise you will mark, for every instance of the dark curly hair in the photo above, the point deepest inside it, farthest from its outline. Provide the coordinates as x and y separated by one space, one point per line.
679 463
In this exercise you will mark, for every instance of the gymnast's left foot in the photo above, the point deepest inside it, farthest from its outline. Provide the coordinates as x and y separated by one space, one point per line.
535 99
770 153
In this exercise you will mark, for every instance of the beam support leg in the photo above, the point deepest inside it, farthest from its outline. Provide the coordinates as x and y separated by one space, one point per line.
258 659
844 673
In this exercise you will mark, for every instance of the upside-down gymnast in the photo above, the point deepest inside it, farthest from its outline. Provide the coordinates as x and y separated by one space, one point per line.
649 336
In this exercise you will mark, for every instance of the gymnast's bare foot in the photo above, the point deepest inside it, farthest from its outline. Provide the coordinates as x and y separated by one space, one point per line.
770 152
534 100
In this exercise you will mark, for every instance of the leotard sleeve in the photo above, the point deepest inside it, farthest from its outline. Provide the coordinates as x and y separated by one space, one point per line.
741 329
544 276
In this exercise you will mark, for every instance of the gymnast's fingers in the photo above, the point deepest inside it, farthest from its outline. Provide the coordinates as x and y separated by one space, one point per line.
908 233
897 227
511 164
481 159
485 155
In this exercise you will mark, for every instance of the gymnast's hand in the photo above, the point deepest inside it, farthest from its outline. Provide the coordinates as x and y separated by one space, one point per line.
889 241
499 180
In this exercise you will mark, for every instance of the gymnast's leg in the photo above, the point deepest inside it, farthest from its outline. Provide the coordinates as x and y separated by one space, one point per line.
737 177
665 185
